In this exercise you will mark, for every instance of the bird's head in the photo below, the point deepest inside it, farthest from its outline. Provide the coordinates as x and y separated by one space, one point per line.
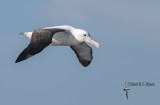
84 36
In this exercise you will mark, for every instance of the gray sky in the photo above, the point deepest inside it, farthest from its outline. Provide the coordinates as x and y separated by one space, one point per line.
129 34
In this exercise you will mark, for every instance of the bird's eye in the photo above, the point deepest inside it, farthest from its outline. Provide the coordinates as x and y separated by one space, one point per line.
85 35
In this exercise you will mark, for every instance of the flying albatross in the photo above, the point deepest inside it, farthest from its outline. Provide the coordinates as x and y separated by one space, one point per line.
64 35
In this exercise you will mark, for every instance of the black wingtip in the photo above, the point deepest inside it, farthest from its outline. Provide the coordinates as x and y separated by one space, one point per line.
17 60
85 63
25 54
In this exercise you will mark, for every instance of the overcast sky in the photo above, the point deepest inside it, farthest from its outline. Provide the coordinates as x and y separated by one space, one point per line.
127 30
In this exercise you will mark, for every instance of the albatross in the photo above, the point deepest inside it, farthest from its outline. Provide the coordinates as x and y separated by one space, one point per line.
63 35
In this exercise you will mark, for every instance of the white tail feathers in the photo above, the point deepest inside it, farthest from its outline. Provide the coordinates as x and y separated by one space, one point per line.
28 34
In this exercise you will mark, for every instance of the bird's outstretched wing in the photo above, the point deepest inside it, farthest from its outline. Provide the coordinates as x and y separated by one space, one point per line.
127 94
84 53
40 39
125 84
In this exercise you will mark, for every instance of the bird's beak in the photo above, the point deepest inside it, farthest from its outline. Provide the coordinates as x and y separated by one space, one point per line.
94 43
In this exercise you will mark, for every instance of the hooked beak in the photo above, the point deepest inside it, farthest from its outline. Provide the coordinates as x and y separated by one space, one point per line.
94 43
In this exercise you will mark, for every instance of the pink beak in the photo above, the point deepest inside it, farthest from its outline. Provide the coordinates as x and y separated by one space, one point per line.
94 43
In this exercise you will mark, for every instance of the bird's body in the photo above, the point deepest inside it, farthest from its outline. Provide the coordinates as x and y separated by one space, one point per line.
64 38
59 36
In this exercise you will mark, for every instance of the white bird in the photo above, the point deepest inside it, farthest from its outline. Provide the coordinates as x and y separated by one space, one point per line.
64 35
126 89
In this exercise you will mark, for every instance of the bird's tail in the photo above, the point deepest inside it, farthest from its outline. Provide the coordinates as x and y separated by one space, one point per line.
28 34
